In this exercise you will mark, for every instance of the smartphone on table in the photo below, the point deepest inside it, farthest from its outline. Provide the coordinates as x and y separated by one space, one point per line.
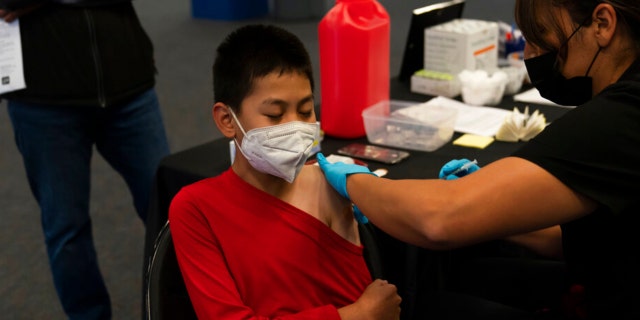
374 153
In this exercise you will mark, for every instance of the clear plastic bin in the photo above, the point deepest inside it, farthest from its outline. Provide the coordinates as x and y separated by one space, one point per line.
404 124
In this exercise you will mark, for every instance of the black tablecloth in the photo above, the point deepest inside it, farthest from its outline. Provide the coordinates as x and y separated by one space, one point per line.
212 158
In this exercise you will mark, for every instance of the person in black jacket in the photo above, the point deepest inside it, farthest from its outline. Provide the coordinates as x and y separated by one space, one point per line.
90 76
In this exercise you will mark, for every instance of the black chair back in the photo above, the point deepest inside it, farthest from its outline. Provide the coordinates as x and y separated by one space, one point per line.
166 294
372 253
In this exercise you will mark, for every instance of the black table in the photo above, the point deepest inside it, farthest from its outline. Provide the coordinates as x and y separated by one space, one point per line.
406 265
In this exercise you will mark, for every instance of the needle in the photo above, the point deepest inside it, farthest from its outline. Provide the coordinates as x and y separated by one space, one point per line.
465 167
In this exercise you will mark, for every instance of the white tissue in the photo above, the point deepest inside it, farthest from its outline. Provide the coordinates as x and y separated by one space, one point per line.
521 126
333 158
481 88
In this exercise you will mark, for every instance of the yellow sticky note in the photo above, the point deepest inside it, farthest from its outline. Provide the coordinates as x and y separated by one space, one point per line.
473 141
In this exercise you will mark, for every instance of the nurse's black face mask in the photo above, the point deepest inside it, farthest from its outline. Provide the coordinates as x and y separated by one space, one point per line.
546 77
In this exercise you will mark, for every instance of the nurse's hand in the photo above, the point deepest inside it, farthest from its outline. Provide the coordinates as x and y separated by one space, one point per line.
455 169
336 174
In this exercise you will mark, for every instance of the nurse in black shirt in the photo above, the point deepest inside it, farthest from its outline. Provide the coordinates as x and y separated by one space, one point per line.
581 173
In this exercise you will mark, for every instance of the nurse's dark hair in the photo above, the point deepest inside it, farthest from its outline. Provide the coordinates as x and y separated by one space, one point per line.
252 52
535 20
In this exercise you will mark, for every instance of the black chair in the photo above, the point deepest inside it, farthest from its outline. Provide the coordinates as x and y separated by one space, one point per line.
372 252
166 296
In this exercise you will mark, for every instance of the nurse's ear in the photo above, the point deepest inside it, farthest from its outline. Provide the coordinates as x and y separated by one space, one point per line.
224 120
606 21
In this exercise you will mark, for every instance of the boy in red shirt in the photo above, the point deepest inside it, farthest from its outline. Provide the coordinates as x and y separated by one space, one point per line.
269 238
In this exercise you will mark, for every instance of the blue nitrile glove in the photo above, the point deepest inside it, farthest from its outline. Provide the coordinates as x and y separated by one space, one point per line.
360 217
455 169
337 173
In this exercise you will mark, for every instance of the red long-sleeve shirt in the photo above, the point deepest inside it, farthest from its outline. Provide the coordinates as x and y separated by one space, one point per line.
245 254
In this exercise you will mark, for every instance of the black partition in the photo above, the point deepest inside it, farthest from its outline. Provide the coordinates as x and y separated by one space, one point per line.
422 18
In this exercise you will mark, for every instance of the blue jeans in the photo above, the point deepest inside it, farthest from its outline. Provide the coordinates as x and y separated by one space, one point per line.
56 144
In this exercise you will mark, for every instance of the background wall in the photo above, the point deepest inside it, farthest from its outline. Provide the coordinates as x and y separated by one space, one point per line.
184 51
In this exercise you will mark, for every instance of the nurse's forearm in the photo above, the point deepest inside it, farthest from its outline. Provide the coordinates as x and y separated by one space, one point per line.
507 197
404 209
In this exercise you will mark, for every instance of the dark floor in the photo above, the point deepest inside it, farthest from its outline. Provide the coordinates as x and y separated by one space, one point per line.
184 53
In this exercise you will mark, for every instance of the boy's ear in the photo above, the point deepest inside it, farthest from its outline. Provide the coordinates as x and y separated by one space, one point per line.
223 119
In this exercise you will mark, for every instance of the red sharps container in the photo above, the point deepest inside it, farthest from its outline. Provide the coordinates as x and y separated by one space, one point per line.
354 40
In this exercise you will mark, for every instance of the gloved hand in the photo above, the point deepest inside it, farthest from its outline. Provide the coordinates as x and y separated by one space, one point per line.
455 169
336 174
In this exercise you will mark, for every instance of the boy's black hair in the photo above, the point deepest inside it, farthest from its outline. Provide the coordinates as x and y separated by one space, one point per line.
252 52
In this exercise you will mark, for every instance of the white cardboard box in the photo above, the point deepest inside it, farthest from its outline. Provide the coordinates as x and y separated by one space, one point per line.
461 44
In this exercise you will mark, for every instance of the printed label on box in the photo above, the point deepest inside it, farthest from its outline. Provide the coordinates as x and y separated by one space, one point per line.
461 44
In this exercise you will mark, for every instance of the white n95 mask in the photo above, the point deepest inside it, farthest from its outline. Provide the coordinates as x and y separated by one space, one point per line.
279 150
